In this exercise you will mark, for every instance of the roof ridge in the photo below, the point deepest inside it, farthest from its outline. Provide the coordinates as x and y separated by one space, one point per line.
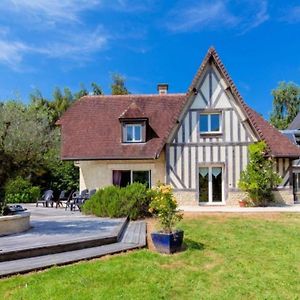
135 95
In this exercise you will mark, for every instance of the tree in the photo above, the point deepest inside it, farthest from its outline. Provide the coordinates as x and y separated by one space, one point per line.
286 104
259 179
118 86
82 92
96 89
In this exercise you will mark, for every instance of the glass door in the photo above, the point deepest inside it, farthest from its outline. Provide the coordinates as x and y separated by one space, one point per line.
203 184
210 185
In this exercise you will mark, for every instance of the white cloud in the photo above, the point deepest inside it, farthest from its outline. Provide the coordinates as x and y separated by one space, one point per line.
292 15
76 45
12 52
194 16
56 10
69 46
259 17
200 15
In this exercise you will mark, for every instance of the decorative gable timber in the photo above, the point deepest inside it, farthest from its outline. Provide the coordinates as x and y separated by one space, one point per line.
213 91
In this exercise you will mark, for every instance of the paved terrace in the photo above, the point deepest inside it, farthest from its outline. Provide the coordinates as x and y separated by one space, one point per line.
59 237
51 226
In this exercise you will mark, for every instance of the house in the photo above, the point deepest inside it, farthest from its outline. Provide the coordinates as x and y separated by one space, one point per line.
293 134
196 141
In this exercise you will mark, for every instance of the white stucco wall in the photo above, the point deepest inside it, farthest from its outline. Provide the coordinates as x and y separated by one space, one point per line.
98 173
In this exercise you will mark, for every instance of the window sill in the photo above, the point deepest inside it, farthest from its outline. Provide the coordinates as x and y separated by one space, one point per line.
207 134
133 143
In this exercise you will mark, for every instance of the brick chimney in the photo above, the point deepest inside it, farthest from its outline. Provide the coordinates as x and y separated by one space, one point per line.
162 88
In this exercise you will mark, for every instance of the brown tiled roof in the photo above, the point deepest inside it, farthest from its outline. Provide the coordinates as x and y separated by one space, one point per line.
133 111
278 144
91 127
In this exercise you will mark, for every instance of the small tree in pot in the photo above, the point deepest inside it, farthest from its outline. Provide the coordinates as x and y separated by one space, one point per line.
164 206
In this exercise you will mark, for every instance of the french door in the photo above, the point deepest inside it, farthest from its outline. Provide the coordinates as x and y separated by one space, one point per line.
211 185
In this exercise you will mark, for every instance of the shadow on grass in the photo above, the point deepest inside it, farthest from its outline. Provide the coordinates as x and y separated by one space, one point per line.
191 244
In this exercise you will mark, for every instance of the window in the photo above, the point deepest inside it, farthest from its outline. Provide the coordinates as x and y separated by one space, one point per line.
123 178
210 123
133 133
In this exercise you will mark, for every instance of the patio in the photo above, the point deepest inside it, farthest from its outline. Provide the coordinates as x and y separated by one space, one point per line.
58 236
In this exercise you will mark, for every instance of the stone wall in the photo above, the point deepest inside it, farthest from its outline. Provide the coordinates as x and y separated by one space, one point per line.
234 198
284 196
14 224
186 198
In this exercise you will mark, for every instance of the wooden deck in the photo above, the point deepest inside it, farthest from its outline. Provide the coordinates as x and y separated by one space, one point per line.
67 239
134 237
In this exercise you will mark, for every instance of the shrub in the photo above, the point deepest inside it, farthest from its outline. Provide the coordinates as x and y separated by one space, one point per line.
165 207
20 190
259 179
115 202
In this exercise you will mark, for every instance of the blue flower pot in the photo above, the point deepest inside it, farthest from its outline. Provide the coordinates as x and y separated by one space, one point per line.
167 242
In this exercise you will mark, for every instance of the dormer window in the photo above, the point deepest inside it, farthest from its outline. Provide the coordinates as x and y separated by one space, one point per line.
134 123
133 133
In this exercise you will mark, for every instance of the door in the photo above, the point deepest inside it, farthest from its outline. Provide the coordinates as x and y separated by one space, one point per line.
210 185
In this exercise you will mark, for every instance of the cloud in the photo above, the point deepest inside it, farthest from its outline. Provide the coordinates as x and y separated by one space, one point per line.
69 38
54 10
69 46
207 15
201 15
73 45
12 52
259 17
291 15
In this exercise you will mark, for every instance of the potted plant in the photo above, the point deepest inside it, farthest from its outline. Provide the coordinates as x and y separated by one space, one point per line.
164 206
242 203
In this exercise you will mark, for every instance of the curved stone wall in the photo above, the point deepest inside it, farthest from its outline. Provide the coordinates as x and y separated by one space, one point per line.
15 223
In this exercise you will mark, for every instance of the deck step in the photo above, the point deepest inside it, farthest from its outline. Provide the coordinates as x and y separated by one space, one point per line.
39 249
133 237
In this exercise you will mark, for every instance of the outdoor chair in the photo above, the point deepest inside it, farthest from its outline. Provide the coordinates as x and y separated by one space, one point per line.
63 198
46 199
77 199
71 200
81 201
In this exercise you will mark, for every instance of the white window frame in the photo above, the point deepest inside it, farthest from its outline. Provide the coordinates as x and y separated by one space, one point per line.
133 133
210 188
209 123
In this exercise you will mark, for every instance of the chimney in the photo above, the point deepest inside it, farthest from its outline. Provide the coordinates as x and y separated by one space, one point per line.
162 88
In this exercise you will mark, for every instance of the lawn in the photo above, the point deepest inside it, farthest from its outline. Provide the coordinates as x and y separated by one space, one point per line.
227 257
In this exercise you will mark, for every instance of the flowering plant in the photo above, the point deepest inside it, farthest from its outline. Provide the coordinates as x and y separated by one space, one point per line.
165 207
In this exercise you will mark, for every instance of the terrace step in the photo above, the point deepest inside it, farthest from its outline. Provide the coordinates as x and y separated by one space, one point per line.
39 248
133 237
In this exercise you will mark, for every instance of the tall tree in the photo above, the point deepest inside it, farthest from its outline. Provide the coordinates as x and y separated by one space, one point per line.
82 92
118 85
286 104
96 89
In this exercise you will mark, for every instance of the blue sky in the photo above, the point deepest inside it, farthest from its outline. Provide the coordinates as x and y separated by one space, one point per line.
44 44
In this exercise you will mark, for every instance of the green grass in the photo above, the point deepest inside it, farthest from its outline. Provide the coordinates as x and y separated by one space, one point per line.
227 257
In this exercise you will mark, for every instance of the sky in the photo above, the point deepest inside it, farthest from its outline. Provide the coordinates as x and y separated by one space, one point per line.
64 43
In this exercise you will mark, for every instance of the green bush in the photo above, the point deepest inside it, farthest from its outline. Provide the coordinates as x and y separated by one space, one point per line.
20 190
116 202
259 179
